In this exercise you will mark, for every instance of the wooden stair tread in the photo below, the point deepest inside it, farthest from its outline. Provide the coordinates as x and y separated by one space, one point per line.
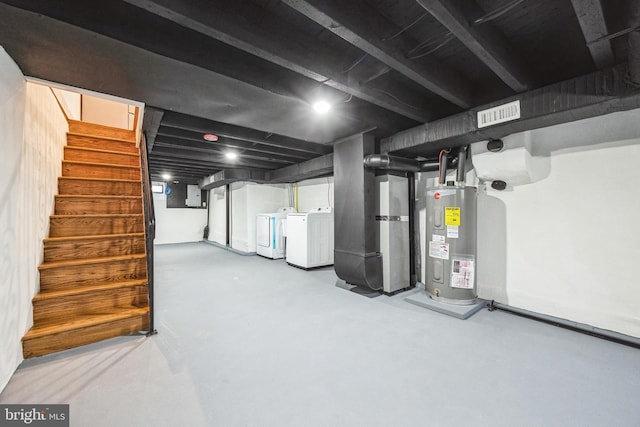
80 178
99 150
91 237
85 261
97 129
108 138
83 322
114 165
97 196
80 290
94 215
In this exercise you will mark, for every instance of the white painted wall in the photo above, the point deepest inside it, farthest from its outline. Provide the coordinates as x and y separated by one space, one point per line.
247 200
32 137
107 112
177 225
315 193
568 242
218 215
70 102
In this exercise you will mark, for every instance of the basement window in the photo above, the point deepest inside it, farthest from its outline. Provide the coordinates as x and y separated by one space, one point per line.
157 187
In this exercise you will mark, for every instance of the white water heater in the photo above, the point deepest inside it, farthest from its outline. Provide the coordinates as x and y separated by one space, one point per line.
451 244
310 240
270 241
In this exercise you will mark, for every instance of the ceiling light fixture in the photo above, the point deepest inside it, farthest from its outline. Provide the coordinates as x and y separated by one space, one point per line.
210 137
166 176
231 155
321 107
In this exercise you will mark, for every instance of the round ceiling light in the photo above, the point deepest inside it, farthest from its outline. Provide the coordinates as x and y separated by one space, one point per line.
231 155
321 107
210 137
166 176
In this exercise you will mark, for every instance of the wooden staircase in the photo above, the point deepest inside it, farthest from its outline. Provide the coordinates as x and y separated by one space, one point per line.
93 280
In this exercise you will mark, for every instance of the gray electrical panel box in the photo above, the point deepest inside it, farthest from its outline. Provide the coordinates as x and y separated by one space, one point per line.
451 244
194 196
393 224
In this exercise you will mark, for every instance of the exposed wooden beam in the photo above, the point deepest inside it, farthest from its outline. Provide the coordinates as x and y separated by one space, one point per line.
216 158
248 28
320 166
165 165
181 145
192 139
185 179
594 26
485 42
182 121
182 169
166 159
360 28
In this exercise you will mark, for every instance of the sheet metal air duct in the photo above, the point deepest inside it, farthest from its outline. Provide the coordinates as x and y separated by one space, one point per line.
590 95
357 259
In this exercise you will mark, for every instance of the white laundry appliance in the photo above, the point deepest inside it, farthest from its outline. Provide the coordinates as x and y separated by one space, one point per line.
270 241
310 238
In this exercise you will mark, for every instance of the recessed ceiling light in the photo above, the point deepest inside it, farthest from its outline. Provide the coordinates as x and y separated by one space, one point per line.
321 107
166 176
210 137
231 155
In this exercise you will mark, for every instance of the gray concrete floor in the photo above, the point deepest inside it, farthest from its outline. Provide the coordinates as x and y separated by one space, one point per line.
247 341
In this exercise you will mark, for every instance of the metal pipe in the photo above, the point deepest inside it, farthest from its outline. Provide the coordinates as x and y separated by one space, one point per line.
227 197
462 155
413 277
385 161
442 178
429 166
567 324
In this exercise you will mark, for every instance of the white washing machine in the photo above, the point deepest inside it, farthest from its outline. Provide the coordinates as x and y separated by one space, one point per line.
270 233
310 238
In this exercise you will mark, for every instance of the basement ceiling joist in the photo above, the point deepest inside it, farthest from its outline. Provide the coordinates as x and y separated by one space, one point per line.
359 25
485 41
214 158
251 30
594 28
178 139
202 126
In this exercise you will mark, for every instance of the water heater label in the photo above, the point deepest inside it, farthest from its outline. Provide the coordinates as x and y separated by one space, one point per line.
462 273
437 238
452 231
439 250
452 216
